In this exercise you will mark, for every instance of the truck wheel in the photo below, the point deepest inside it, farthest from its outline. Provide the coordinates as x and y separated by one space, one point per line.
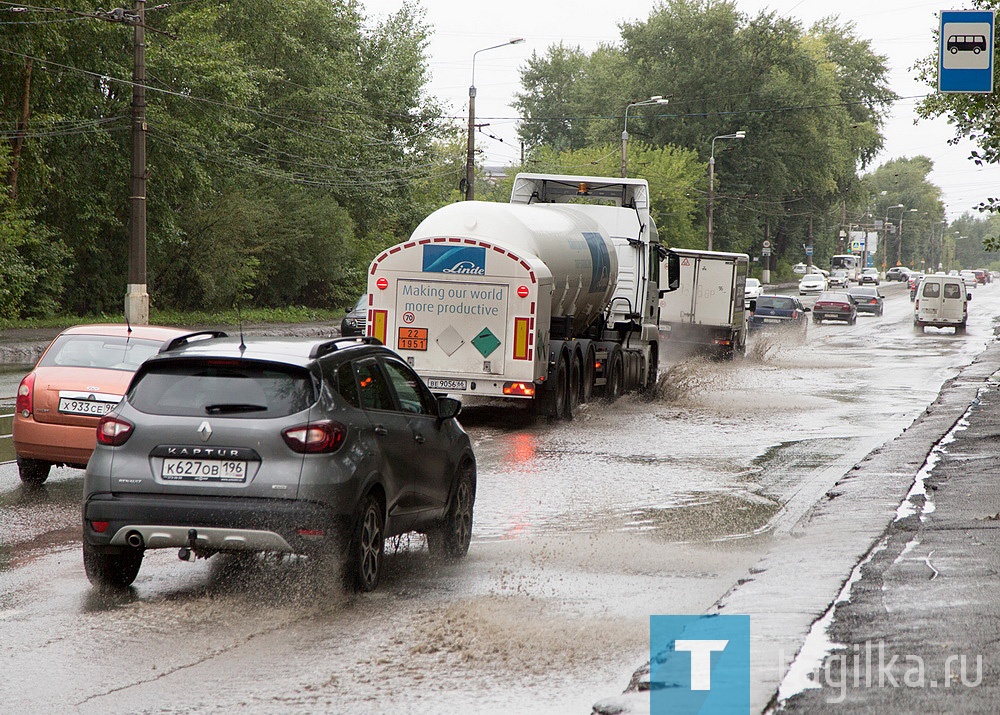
616 376
653 367
918 327
551 401
574 387
587 393
960 329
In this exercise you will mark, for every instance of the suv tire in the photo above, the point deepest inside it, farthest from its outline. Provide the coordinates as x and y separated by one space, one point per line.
111 571
451 540
367 546
33 471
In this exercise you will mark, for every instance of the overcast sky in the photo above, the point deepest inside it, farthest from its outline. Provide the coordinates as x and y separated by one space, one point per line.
898 29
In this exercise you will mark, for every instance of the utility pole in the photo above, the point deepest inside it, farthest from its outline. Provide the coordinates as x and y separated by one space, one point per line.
137 297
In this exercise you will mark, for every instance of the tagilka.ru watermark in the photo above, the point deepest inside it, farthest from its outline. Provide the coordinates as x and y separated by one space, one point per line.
871 665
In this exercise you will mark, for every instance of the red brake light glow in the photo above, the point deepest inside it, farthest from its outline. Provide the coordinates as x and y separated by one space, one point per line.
315 438
26 395
99 526
113 431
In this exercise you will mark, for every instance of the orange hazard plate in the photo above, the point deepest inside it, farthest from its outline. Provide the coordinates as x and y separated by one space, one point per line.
412 339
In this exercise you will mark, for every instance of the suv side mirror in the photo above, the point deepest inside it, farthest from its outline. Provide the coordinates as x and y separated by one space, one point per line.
448 407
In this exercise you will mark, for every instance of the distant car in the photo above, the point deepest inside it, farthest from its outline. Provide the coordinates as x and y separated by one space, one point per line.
822 271
812 283
80 377
969 277
897 273
839 279
952 272
324 448
800 269
913 282
868 299
981 276
780 311
835 306
356 321
868 275
753 289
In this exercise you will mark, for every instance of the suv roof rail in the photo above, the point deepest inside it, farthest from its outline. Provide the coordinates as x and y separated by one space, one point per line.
187 338
329 346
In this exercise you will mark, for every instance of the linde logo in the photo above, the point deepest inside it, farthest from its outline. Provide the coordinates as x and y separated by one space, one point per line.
462 260
466 267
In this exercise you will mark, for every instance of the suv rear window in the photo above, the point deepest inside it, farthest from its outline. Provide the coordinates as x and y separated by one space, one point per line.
221 387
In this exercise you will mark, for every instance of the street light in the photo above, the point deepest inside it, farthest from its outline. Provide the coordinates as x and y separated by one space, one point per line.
655 99
470 154
899 237
711 179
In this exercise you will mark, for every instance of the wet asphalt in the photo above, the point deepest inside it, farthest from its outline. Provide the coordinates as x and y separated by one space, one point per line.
917 627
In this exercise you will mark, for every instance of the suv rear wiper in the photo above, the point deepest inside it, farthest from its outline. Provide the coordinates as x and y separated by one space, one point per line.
234 407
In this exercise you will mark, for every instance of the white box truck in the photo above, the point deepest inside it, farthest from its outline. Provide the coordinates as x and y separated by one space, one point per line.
547 299
706 312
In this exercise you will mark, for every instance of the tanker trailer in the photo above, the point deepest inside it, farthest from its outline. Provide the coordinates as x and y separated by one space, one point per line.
534 301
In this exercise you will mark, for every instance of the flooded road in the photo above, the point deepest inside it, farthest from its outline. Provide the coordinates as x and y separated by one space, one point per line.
583 529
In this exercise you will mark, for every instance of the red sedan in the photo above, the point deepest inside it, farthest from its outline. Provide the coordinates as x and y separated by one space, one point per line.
81 375
835 306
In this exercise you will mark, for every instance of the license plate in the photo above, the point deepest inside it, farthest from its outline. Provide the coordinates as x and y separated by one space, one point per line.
204 470
773 320
71 406
447 384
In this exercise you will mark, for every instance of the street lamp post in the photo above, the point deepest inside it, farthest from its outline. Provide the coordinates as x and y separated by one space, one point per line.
470 152
711 180
899 238
885 231
655 99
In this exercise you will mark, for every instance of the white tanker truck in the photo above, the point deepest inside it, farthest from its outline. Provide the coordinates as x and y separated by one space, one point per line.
551 298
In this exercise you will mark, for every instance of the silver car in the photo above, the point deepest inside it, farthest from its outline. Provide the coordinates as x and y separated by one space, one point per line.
283 445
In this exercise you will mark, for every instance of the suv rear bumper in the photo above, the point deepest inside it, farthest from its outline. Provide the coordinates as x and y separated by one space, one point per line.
222 523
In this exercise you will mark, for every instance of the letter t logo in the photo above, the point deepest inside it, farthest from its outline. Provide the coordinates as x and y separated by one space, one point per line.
701 660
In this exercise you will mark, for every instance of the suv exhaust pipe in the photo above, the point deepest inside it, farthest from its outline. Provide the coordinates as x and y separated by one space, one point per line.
134 539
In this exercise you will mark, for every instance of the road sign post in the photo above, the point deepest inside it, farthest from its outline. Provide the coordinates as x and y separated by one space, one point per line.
965 51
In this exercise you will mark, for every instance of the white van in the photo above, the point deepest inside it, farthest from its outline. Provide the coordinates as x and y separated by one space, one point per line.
941 302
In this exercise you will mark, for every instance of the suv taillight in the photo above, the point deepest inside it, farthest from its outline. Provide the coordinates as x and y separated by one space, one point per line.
113 431
316 437
26 395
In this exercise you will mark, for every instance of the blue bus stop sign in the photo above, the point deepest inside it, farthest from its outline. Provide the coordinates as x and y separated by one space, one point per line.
965 53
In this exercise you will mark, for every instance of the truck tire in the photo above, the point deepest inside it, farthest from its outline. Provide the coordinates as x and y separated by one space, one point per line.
587 394
616 376
918 327
652 368
960 329
554 394
574 386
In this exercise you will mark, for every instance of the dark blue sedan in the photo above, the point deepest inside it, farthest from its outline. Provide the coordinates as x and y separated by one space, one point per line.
779 311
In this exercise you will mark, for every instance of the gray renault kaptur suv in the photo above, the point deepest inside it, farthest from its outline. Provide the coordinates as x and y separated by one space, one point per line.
288 445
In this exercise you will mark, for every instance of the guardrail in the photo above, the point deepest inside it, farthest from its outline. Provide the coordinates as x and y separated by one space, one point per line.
6 427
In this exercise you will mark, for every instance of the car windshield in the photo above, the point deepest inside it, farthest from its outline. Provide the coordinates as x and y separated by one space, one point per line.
833 297
863 291
222 387
752 283
775 302
100 351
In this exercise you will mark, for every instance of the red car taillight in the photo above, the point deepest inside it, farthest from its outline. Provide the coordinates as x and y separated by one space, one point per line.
26 395
315 437
113 431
